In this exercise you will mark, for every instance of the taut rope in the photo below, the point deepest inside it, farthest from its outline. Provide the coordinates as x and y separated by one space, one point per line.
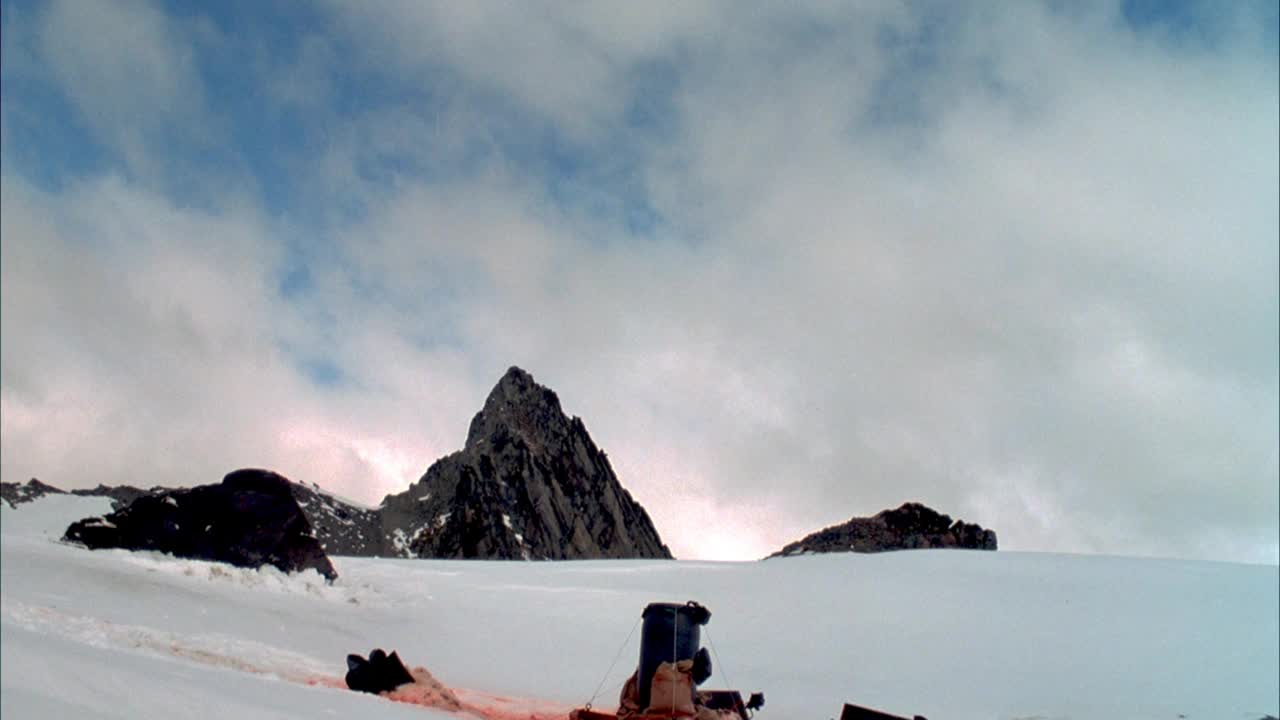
615 662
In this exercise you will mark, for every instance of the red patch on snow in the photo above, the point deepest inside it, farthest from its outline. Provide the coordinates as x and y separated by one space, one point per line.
496 707
426 691
326 681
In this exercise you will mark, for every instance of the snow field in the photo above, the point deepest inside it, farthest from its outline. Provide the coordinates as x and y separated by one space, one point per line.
946 634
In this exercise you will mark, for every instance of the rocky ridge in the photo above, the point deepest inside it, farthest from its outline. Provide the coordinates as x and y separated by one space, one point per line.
121 495
910 527
342 527
15 493
528 484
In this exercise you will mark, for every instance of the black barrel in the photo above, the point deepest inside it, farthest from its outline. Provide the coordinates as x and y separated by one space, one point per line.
670 634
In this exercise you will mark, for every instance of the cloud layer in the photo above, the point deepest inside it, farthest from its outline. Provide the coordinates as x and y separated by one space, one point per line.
789 265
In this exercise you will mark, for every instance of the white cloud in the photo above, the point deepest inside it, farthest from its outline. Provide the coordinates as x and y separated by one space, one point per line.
565 67
124 67
141 347
1016 264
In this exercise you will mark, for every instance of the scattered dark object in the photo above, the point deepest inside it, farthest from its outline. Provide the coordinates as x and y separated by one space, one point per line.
756 701
857 712
380 673
249 520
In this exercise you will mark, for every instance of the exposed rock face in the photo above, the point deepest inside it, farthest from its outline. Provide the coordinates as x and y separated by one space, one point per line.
341 527
17 493
912 526
251 519
121 495
529 483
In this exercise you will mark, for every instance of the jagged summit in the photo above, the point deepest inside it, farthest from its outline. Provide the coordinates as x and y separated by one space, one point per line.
516 382
526 409
529 483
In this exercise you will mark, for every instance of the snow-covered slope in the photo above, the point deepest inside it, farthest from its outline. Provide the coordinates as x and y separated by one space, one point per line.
946 634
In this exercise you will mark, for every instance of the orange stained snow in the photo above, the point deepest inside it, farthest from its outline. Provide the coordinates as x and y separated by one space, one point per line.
426 691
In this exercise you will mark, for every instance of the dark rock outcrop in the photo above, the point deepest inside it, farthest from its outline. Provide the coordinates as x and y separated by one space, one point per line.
528 484
249 520
121 495
17 493
341 527
910 527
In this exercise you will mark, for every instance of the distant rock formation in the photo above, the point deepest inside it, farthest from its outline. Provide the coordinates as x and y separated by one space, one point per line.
249 520
121 495
341 527
528 484
17 493
910 527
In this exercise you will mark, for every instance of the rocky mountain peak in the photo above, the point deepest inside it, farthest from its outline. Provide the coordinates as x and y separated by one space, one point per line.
529 483
520 408
516 384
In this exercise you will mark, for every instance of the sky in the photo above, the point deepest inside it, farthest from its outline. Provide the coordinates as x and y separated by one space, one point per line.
790 262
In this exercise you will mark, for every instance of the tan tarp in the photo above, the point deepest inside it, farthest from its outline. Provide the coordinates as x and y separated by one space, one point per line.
670 696
629 701
672 690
